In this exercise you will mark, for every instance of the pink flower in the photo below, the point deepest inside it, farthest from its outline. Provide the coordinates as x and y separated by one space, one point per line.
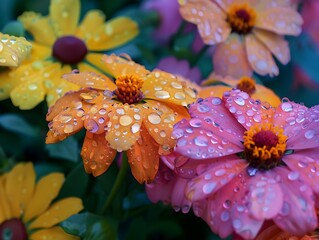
247 33
253 163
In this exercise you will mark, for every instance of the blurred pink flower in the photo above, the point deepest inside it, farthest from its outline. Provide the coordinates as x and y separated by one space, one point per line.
252 163
180 67
247 33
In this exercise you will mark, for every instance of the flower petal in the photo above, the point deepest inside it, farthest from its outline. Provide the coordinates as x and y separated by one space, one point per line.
90 79
19 187
91 22
214 178
143 158
298 215
39 27
230 58
46 190
57 213
112 34
259 57
124 126
276 44
7 84
121 65
64 16
53 233
246 110
210 19
166 87
97 154
281 20
5 211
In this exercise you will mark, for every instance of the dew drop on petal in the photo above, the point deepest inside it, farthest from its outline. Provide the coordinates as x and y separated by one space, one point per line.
202 108
92 126
162 94
125 120
237 223
135 128
68 128
309 134
180 95
224 216
201 141
220 172
216 101
209 187
240 101
285 210
154 118
286 107
293 175
195 122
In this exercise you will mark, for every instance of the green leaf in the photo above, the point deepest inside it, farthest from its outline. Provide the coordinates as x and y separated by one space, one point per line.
90 227
68 149
15 123
14 28
75 184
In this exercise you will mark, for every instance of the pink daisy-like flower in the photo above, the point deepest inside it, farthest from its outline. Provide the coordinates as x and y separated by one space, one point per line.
252 163
247 33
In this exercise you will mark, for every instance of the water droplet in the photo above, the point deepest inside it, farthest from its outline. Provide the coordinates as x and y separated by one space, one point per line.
237 223
154 118
92 126
240 101
162 94
285 209
227 204
201 141
309 134
68 128
102 111
195 122
293 175
202 108
162 133
135 128
286 107
177 133
224 216
176 85
216 101
125 120
220 172
180 95
209 187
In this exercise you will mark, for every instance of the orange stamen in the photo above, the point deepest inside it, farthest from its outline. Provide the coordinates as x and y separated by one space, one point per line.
247 84
129 89
241 17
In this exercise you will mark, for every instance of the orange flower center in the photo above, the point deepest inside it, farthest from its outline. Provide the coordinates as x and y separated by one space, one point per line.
129 89
264 145
247 84
13 229
241 17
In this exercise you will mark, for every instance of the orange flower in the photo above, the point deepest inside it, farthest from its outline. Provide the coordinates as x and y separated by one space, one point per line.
136 115
246 84
247 33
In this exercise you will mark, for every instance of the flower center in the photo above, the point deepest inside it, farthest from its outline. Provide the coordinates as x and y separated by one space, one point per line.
69 50
247 84
129 89
13 229
241 17
264 145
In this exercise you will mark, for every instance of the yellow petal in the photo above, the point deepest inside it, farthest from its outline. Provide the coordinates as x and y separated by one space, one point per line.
166 87
39 27
58 212
97 154
5 212
112 34
64 15
38 52
45 191
54 233
7 83
13 50
19 187
92 21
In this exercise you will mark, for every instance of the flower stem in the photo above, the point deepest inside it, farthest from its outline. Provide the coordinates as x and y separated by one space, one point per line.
118 182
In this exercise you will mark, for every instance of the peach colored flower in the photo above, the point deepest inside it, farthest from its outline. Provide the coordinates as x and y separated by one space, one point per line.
135 114
246 33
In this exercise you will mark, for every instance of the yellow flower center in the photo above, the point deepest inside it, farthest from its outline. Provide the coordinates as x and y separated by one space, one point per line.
247 84
129 89
241 17
264 145
13 229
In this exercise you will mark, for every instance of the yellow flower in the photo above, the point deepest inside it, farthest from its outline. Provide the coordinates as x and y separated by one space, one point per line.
135 114
246 84
59 45
26 211
13 50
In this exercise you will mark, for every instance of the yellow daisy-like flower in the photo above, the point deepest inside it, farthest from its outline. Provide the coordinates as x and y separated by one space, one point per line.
135 114
246 84
13 50
26 211
59 45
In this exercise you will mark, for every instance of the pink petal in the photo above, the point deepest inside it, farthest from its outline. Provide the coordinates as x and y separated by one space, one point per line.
230 58
276 44
281 20
179 201
304 167
246 110
214 178
259 57
265 196
298 215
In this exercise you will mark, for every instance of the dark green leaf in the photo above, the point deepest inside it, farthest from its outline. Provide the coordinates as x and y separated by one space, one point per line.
68 149
15 123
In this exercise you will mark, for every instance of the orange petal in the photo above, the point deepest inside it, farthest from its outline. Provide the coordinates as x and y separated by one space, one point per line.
97 154
54 233
92 21
58 212
5 212
266 95
276 44
45 191
166 87
213 91
124 126
143 158
210 19
54 138
259 57
281 20
122 65
90 79
19 187
230 58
